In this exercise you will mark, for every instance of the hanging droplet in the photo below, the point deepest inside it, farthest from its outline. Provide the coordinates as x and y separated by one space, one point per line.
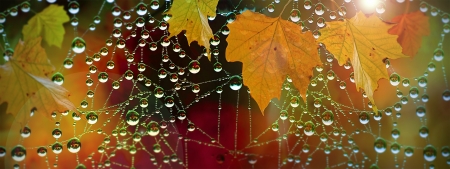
295 15
395 133
409 151
319 9
420 111
74 21
405 82
25 7
307 4
166 17
394 79
422 81
342 11
116 11
165 41
25 132
58 78
92 117
154 4
74 7
235 82
445 95
423 132
274 127
18 153
57 148
97 19
327 118
414 92
423 7
429 153
283 115
78 45
74 145
225 30
158 92
271 7
42 151
132 117
140 22
169 101
380 145
103 77
141 9
56 133
364 118
294 101
395 148
309 128
163 25
129 75
194 67
231 17
191 127
438 54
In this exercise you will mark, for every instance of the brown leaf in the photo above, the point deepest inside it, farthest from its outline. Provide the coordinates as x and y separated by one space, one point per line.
410 28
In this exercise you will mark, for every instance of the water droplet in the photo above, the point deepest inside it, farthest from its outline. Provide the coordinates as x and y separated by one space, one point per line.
57 148
74 145
429 153
235 82
74 7
78 45
18 153
295 15
58 78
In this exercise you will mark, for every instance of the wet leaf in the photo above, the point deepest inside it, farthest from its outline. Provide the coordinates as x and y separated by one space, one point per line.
25 84
365 42
271 49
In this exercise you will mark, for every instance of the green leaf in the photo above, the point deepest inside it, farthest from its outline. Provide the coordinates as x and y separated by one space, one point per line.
48 24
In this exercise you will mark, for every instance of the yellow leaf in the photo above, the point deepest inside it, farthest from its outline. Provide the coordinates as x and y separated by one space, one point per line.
191 15
271 49
365 42
24 85
47 24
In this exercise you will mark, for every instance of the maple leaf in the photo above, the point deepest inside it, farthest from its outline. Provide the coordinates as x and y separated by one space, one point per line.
410 28
191 15
365 41
24 84
48 24
270 49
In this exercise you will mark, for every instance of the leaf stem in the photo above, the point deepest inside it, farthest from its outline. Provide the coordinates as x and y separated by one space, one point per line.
287 3
407 7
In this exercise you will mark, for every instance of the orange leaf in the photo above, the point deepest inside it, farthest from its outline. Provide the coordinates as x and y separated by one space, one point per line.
365 42
24 84
270 49
410 28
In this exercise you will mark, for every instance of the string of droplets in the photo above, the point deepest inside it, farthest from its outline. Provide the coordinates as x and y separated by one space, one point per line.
234 81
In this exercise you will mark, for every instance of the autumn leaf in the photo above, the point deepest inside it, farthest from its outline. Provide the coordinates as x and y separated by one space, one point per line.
410 28
24 84
365 42
191 15
48 24
270 49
